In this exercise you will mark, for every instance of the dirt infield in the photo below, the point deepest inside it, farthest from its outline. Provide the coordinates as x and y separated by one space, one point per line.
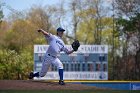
36 85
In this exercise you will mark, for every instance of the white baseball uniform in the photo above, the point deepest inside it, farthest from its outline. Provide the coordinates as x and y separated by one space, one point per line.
56 45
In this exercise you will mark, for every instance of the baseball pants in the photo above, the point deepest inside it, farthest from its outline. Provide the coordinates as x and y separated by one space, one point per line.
47 61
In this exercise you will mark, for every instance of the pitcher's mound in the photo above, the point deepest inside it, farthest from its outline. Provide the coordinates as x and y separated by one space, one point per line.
33 85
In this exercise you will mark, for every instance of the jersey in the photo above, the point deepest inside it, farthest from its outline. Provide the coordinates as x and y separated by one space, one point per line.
56 45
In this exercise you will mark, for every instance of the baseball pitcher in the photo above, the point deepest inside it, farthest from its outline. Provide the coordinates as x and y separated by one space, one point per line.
56 45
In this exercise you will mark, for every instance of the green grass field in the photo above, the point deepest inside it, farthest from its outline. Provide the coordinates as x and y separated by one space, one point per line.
68 91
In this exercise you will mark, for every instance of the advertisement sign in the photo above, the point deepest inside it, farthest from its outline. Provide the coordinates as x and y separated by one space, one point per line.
76 76
82 48
135 86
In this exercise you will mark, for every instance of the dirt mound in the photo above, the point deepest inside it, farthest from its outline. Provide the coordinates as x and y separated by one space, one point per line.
38 85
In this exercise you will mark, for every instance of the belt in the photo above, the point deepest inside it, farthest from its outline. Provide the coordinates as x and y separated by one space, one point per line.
51 55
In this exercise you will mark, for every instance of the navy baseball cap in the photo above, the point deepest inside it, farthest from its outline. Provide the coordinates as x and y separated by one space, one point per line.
60 29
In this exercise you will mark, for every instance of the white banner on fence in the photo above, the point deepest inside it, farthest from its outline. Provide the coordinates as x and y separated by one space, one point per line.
82 48
76 76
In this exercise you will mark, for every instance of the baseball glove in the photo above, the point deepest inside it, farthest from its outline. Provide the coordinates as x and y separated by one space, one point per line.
75 45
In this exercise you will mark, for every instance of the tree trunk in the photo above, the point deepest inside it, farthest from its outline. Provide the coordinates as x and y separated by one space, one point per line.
137 65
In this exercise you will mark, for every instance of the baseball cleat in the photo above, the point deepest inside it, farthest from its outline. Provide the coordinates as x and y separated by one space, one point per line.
61 82
31 75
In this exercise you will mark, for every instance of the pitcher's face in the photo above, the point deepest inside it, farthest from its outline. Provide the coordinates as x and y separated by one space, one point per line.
60 34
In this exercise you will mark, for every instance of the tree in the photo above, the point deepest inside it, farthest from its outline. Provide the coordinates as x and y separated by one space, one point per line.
1 16
14 65
38 17
128 21
93 23
1 13
18 38
74 8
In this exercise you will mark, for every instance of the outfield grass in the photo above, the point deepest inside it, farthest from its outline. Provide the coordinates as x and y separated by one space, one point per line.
69 91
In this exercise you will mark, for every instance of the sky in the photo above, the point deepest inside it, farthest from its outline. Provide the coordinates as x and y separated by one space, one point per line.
20 5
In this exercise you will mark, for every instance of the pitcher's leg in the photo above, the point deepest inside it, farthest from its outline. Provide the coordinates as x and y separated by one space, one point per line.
59 65
60 74
45 67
